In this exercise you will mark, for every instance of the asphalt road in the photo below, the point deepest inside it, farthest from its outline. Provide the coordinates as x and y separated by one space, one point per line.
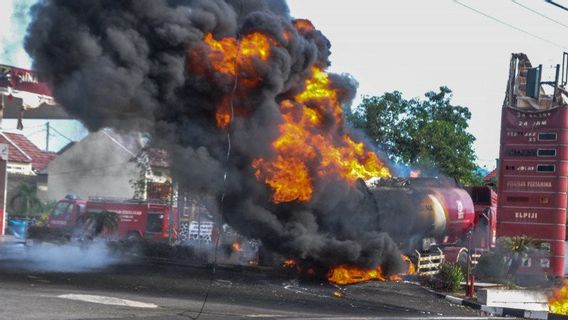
34 288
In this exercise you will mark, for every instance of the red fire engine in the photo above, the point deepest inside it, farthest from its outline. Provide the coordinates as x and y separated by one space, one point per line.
137 219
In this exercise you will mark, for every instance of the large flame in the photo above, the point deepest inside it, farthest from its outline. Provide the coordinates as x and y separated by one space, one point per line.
305 144
558 302
312 141
344 274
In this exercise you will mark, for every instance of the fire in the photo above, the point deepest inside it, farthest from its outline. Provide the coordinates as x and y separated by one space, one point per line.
312 141
345 274
558 302
415 173
304 26
311 137
289 263
305 144
338 294
236 246
231 58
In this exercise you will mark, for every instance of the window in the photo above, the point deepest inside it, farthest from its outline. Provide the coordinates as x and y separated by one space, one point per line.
526 262
545 246
518 199
155 222
547 136
546 152
545 263
545 168
61 208
521 152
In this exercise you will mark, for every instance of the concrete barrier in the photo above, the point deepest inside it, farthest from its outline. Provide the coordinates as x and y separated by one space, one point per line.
516 299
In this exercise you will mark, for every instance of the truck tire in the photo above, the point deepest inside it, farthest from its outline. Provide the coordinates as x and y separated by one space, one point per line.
133 236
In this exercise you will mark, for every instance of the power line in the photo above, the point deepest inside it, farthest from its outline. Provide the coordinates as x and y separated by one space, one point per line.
556 4
511 26
540 14
62 135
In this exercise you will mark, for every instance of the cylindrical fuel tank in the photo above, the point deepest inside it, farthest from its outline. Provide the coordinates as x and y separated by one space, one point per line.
420 208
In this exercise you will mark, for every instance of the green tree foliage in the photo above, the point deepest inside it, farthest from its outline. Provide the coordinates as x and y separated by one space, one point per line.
26 201
430 134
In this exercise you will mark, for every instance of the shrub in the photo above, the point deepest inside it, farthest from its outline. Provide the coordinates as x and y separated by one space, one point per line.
492 267
450 276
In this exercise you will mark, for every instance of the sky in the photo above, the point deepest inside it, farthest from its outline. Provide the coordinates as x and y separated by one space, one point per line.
412 46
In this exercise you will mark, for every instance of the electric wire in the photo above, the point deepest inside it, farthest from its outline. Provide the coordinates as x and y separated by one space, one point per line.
61 134
225 176
540 14
556 4
511 26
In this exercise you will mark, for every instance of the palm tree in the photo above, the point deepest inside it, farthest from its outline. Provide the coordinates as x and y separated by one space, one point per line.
26 197
518 247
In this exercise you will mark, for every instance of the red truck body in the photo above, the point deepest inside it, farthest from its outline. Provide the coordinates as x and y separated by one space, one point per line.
449 219
137 220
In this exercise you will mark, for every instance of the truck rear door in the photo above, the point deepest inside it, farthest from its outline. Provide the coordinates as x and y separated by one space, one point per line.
154 224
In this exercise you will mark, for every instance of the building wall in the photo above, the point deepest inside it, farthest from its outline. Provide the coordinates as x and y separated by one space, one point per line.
94 166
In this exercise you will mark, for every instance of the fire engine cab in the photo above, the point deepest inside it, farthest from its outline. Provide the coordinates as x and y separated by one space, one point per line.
136 219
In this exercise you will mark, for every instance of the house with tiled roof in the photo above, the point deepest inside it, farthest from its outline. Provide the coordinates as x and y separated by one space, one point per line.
24 157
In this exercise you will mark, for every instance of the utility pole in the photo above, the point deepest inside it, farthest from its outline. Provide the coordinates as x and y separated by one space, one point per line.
47 136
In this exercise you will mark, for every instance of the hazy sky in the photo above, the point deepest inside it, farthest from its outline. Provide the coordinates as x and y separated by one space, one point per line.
412 46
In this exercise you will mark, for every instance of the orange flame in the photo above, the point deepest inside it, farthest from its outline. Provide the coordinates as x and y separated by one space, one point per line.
338 294
415 173
312 141
236 246
305 144
303 25
558 302
227 57
344 274
289 263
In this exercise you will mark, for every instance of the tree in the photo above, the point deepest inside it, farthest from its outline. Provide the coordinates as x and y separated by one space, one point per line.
429 134
25 201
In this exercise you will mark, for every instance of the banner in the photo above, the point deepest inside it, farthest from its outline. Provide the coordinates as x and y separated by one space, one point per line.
24 84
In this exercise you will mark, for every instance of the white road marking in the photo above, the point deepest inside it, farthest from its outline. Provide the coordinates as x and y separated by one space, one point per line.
107 300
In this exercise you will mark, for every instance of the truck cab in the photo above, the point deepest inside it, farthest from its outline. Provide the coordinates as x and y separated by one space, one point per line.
66 212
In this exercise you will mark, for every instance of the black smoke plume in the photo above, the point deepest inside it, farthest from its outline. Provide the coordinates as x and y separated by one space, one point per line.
124 64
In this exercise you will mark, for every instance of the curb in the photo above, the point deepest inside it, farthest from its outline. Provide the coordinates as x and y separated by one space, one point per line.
497 311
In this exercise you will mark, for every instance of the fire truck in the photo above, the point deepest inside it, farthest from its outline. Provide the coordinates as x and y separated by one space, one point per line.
136 219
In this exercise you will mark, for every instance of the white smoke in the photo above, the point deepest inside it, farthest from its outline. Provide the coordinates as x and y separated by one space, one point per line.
64 258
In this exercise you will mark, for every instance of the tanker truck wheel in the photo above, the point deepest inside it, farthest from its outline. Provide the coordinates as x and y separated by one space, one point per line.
462 258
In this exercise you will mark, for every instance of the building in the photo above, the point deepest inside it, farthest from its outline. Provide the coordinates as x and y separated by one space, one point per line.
533 166
24 157
26 164
105 164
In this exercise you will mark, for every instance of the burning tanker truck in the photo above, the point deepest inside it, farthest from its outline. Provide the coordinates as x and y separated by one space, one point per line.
239 94
435 220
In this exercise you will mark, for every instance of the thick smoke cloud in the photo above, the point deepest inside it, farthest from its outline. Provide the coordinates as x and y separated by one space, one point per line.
125 65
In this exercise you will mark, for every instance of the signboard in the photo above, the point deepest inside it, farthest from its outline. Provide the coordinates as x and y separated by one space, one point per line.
3 185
